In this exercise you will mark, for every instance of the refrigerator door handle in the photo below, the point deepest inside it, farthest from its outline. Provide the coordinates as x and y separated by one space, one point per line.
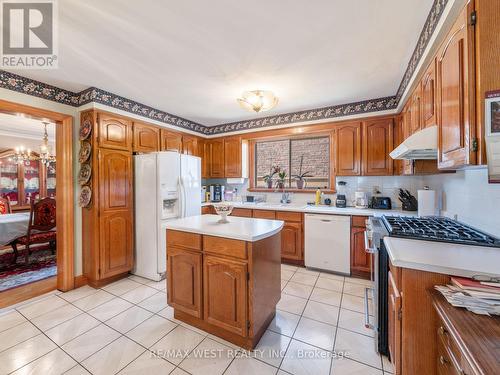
181 198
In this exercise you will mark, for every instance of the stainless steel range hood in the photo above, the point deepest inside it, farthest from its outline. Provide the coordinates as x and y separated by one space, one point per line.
421 145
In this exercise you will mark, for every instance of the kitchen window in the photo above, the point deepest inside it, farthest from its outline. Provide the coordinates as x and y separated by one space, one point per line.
309 158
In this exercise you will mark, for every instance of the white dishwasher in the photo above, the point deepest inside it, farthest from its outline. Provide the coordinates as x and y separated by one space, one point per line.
328 242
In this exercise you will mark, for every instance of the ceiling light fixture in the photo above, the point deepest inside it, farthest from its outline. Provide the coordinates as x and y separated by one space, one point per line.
46 156
258 100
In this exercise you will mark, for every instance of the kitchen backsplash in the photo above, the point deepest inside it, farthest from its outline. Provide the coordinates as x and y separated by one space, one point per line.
468 195
387 185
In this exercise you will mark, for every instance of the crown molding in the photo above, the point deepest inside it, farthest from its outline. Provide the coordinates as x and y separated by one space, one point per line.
28 86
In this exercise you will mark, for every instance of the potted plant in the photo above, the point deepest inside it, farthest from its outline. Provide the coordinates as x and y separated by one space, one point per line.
300 178
268 178
280 184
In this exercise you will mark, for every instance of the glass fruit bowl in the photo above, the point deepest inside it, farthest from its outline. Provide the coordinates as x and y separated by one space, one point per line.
223 209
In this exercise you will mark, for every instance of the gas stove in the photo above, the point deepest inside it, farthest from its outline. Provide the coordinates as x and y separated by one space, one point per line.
435 228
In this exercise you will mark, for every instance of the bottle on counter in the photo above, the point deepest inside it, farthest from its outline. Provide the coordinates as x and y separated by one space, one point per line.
317 201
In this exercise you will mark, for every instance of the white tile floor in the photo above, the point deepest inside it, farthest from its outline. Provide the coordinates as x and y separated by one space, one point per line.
118 328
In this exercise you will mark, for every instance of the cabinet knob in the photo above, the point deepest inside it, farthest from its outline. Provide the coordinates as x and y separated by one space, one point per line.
442 330
442 360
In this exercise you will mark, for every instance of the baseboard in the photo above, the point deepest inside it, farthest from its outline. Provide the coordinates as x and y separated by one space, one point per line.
80 280
25 292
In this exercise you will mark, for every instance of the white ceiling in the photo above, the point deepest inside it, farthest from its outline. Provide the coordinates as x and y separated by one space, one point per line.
194 58
22 131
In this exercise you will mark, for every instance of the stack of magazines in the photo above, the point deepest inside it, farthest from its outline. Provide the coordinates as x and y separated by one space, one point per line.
476 296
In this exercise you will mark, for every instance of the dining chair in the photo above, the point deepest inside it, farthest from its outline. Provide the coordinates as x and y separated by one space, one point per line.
40 227
5 207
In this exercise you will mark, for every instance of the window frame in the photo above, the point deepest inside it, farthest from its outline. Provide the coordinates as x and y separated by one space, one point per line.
252 160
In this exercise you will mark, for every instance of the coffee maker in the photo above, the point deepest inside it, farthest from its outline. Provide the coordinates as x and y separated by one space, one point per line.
216 193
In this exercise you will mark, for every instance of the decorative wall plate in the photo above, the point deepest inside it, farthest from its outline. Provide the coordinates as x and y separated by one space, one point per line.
84 174
85 151
85 196
85 129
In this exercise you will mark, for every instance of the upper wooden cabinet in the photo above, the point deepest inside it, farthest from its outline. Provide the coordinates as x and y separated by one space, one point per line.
232 157
146 138
204 154
216 157
428 91
348 149
455 96
170 140
416 111
114 132
115 180
190 145
377 144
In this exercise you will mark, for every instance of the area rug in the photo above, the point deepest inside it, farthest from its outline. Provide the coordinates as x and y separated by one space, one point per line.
42 265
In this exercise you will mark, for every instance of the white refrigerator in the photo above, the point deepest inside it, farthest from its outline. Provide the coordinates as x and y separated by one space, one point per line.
167 186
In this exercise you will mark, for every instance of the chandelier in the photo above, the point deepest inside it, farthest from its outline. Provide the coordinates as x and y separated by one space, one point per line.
258 100
46 157
22 155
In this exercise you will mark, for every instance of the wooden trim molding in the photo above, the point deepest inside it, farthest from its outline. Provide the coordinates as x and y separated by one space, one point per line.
80 280
64 183
22 293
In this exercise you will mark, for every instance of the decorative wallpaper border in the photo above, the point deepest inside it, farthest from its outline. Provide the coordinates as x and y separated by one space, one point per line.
28 86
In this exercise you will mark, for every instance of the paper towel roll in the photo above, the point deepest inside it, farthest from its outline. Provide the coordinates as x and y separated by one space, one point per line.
427 202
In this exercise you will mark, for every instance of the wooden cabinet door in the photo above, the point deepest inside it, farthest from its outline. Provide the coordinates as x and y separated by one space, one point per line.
225 294
204 154
264 214
241 212
395 332
232 157
291 241
116 250
190 145
185 289
398 139
114 132
429 116
170 140
348 150
217 158
360 259
416 111
146 138
455 97
377 144
115 180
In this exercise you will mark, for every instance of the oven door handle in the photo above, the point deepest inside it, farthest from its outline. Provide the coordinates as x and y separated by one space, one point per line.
368 249
367 308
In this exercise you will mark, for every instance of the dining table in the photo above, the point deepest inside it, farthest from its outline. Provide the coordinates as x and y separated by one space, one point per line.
13 226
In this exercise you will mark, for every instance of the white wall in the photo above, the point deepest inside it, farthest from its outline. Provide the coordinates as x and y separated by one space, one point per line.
468 195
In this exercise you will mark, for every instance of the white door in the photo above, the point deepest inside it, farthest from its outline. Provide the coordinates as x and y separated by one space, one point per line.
190 185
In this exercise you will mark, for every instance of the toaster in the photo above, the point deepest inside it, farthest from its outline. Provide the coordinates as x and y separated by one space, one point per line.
381 203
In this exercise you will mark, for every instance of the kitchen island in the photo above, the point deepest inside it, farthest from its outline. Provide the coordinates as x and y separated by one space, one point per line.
224 278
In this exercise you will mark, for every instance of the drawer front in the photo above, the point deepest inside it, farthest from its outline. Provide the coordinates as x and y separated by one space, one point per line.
225 246
359 221
184 240
241 212
264 214
448 342
289 216
445 363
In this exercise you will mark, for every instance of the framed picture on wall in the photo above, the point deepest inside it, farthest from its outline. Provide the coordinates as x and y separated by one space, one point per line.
492 133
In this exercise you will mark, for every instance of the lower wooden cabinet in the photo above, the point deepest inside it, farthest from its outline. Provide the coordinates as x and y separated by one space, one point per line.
291 241
225 294
395 314
185 293
241 212
264 214
116 243
360 259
